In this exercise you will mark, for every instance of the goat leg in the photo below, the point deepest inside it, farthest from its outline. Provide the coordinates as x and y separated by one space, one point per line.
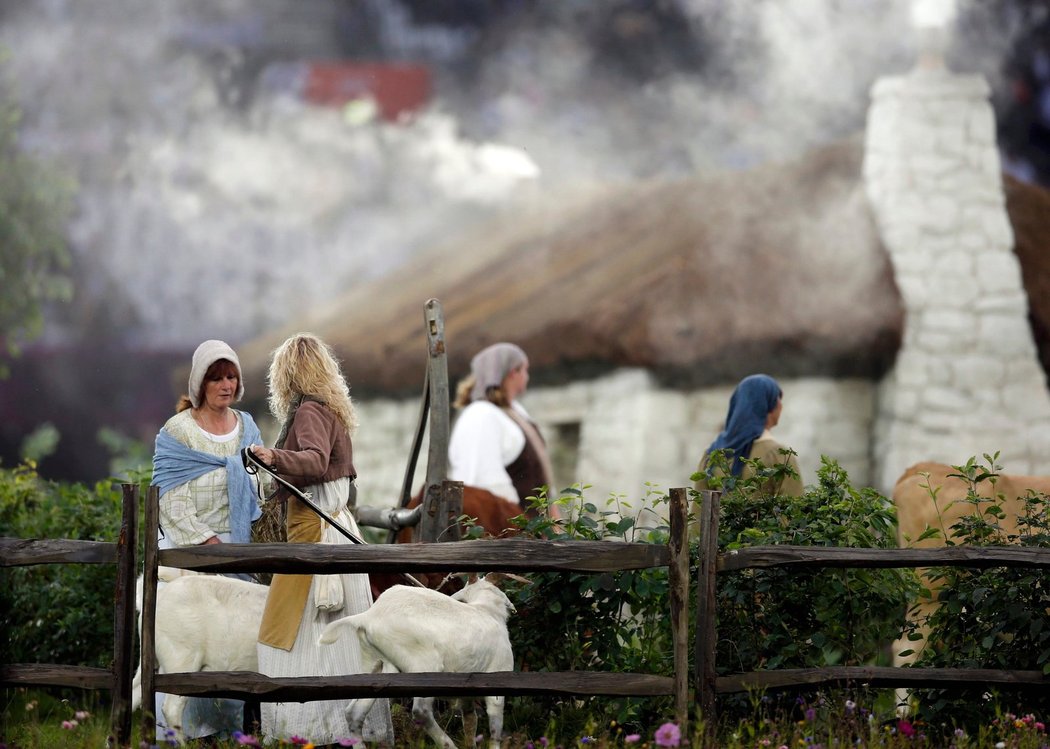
494 708
423 711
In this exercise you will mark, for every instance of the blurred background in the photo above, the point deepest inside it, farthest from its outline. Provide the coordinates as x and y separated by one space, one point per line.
209 168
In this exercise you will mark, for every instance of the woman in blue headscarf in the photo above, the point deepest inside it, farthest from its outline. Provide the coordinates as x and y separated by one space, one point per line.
754 409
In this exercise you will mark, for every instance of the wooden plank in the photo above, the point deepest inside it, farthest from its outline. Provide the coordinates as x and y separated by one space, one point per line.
151 528
242 684
55 675
706 632
879 676
437 380
505 555
678 583
21 552
829 556
124 618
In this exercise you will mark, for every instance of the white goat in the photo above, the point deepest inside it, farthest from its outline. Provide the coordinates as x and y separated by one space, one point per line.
418 630
203 623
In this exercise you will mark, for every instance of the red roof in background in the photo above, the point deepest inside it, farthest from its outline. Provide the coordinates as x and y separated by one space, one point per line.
397 89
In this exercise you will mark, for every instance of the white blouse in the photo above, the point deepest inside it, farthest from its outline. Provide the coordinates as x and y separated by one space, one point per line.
484 441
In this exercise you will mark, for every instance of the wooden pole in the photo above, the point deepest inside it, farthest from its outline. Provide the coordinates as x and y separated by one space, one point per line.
678 576
706 633
452 501
149 614
124 619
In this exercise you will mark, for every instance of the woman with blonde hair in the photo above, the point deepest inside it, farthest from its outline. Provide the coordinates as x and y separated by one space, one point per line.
310 398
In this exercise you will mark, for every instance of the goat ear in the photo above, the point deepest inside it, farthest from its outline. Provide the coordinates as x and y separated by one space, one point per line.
472 578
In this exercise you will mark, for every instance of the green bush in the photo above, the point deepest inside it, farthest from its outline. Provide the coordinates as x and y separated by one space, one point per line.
794 618
766 618
989 618
609 622
58 613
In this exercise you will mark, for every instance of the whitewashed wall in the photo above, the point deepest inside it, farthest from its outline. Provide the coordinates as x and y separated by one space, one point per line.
632 433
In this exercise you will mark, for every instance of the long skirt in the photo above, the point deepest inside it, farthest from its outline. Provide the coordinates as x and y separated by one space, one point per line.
324 722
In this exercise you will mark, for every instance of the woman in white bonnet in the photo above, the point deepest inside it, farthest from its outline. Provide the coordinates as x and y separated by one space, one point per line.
206 497
495 445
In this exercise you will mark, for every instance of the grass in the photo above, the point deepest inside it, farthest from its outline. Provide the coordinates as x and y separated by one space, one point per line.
40 721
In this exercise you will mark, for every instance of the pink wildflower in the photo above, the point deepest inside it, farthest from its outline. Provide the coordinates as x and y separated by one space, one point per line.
69 725
632 738
348 742
905 728
669 734
245 739
81 715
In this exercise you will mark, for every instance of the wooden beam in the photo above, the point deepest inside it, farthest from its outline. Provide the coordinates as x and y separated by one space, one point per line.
242 684
21 552
757 557
503 555
879 676
55 675
124 618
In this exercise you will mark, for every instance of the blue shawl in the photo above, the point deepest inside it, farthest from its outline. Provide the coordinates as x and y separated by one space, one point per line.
174 464
751 403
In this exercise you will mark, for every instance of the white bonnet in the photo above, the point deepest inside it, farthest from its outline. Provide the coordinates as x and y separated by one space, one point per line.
490 365
207 354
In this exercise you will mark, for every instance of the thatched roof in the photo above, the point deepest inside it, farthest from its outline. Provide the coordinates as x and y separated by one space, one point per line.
1029 210
779 269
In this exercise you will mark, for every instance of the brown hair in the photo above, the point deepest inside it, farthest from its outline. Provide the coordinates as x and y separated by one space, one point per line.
466 385
219 368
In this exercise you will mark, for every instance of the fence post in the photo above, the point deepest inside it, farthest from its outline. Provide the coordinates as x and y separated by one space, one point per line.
706 633
678 577
149 614
442 506
124 618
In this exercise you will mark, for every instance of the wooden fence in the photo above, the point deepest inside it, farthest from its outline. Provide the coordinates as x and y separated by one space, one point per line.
16 552
510 555
504 555
709 684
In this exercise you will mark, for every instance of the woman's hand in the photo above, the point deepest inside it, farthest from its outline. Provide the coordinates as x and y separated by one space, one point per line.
212 540
264 454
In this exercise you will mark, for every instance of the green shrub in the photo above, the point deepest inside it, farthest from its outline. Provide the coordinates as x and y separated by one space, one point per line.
766 618
989 618
58 613
608 622
794 618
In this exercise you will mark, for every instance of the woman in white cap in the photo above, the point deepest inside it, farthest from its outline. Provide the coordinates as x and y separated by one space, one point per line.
495 445
206 497
310 398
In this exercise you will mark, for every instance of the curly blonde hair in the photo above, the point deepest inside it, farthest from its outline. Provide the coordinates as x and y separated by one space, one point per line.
304 365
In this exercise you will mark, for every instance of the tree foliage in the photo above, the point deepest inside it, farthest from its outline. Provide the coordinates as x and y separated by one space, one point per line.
34 255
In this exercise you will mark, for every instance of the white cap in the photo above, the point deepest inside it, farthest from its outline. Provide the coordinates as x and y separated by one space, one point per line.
207 354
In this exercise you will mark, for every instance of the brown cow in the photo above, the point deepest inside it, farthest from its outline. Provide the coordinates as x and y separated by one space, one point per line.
490 512
917 510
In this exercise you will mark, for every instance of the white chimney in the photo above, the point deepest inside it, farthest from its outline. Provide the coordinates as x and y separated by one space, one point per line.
967 379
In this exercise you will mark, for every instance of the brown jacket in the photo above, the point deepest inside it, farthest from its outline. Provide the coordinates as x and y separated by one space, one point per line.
317 449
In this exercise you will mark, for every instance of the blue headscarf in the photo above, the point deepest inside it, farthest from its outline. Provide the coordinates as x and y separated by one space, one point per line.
174 464
755 396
